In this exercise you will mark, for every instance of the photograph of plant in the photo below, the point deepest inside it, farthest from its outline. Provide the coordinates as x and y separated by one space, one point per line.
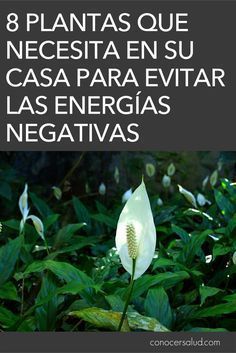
118 241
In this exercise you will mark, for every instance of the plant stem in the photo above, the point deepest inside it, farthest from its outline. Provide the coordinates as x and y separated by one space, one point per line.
46 245
131 286
71 171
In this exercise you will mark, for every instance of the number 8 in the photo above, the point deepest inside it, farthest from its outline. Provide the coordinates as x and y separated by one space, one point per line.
12 25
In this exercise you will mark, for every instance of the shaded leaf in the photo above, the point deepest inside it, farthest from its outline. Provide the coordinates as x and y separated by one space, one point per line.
167 280
9 254
206 292
157 305
45 314
7 318
102 318
220 309
8 292
81 212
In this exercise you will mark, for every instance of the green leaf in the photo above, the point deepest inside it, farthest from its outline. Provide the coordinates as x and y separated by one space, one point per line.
9 254
81 242
165 216
110 320
64 272
162 262
207 329
101 318
191 249
50 220
41 206
181 233
108 221
66 233
206 292
230 298
8 292
157 305
45 315
167 280
72 288
81 212
220 309
195 212
140 322
7 318
219 250
28 325
226 207
115 302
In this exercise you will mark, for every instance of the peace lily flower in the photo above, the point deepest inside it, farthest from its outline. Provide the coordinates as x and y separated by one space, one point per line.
166 181
208 259
214 178
171 169
117 175
102 189
23 205
136 233
188 195
135 238
234 258
159 202
126 196
204 182
57 192
201 200
150 169
38 225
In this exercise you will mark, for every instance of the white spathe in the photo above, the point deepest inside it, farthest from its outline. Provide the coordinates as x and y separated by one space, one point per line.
102 189
126 196
188 195
137 212
23 204
38 225
201 200
166 181
171 169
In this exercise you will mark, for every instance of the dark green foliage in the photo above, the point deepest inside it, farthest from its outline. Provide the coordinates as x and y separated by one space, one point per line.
81 285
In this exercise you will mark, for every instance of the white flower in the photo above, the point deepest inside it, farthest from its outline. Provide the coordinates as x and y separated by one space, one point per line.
159 202
136 233
204 182
234 258
126 195
171 169
219 165
201 200
208 259
23 204
188 195
38 224
214 178
117 175
166 181
102 189
150 169
57 192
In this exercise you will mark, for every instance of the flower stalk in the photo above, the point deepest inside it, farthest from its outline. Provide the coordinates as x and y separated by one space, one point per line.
130 290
